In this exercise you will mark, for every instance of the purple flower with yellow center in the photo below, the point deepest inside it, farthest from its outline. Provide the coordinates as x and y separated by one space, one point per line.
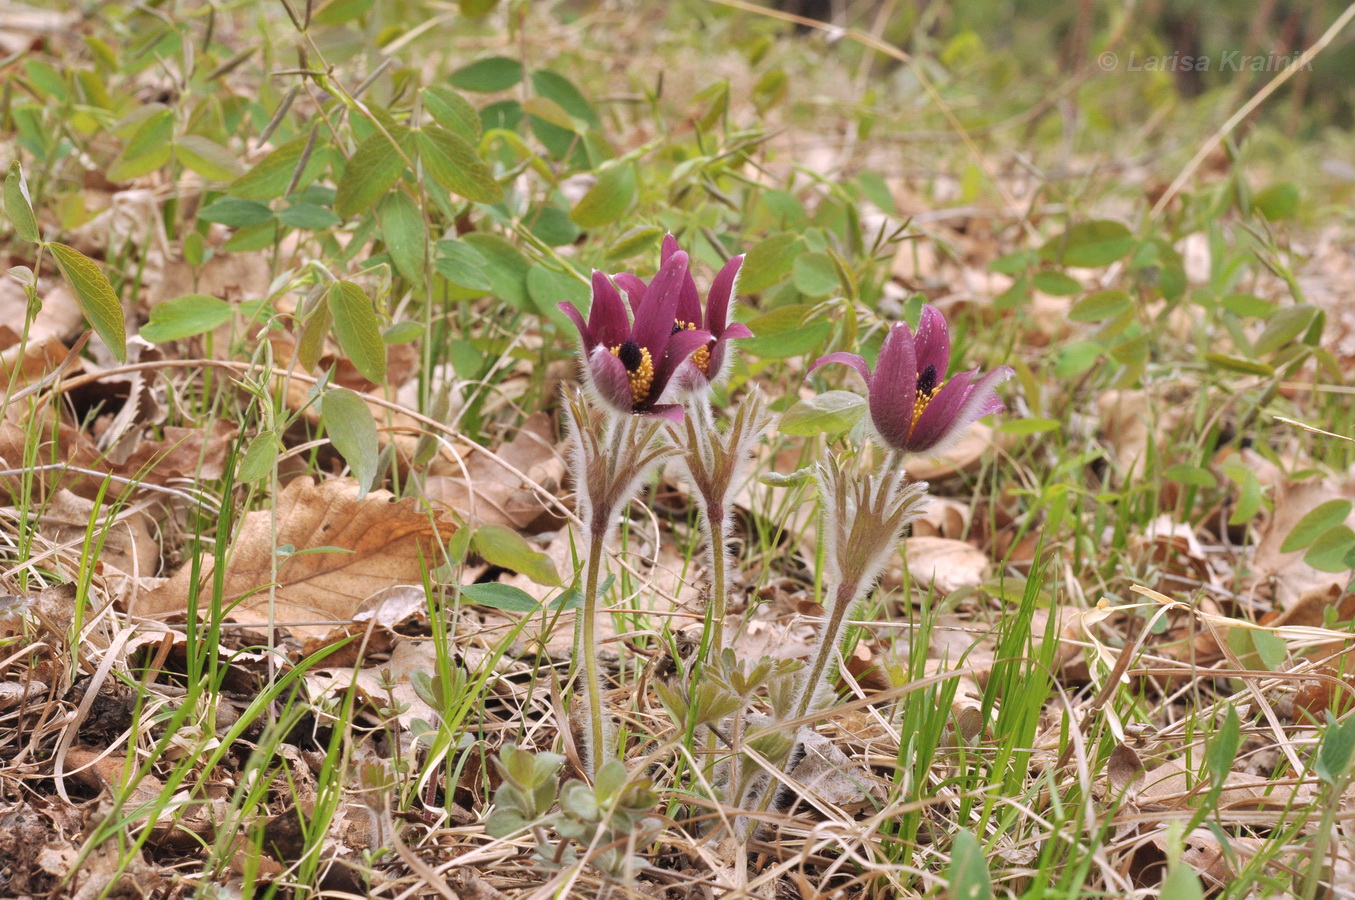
912 405
630 363
707 364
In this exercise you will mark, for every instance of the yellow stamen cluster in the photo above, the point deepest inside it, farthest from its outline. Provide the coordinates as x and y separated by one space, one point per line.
920 406
702 355
641 377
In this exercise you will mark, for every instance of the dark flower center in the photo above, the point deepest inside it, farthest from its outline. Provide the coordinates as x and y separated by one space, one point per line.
631 355
926 381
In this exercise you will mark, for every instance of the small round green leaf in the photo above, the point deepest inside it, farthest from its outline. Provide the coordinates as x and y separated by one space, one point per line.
358 329
832 412
95 295
18 205
352 430
186 316
608 199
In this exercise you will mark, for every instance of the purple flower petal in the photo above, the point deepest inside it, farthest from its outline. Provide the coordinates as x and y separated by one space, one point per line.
577 318
734 330
722 290
893 391
680 347
689 303
608 323
933 342
670 246
938 419
635 288
611 379
670 411
847 359
655 314
983 399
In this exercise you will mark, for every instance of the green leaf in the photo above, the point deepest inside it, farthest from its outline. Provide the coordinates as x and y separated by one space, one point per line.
95 295
500 596
505 265
309 217
1181 884
832 412
186 316
1229 363
1247 306
1089 245
1028 426
1337 750
272 175
1195 476
402 230
814 274
1249 496
1100 306
452 111
454 164
637 240
406 332
496 73
208 158
1330 550
259 458
474 9
1076 358
1320 518
18 205
1284 326
462 265
548 287
1056 284
358 329
1278 201
768 263
149 149
336 12
553 227
352 430
235 212
608 199
502 546
370 173
969 878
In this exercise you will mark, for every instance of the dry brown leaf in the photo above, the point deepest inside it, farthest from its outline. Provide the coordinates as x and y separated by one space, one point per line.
378 544
1170 787
834 778
942 564
1203 853
128 545
488 494
181 453
962 456
1129 417
59 318
38 358
1289 575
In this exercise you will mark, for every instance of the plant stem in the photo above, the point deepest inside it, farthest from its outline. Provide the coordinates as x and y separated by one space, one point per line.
596 732
719 560
844 599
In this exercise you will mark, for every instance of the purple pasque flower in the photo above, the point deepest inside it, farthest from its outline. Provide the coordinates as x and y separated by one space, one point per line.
630 363
707 364
912 405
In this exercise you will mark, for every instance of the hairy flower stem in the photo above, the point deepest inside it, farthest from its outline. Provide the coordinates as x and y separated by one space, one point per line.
845 597
599 523
596 732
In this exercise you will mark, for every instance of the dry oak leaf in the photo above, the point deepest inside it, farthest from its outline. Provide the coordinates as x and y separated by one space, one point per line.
941 563
343 551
